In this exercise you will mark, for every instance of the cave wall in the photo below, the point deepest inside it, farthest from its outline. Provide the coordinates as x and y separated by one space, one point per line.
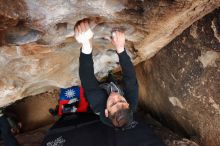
38 50
180 86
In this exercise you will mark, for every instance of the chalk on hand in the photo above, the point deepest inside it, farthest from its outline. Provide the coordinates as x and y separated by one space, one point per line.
113 34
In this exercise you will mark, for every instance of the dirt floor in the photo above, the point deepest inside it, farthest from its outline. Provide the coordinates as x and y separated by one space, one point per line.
33 111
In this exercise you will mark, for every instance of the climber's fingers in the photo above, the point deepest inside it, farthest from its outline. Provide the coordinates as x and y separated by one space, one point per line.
83 27
76 32
86 25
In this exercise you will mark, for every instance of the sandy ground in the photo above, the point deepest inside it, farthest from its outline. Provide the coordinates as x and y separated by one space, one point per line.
33 111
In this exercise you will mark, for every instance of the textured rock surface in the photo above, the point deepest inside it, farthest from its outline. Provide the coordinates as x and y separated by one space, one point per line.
33 111
39 52
180 86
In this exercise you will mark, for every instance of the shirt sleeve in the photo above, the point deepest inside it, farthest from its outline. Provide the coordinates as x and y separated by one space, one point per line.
95 95
129 80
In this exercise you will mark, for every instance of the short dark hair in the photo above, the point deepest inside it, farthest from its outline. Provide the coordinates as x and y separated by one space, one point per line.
122 117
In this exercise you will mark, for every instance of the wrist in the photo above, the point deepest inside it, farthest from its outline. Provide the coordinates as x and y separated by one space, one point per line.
86 43
86 47
120 50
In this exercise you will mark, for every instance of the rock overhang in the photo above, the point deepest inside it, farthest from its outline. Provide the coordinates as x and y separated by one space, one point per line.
39 51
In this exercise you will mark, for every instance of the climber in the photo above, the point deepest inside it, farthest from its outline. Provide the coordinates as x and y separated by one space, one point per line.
114 106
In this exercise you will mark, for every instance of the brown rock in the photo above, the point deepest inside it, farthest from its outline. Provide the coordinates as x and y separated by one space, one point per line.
180 85
40 51
11 12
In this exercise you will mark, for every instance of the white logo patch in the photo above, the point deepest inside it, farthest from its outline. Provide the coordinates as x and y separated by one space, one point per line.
70 93
57 142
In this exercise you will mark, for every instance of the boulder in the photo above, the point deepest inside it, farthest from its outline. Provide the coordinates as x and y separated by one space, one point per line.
180 85
39 52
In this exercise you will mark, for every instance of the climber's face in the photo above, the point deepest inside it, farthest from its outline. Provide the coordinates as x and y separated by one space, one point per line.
114 103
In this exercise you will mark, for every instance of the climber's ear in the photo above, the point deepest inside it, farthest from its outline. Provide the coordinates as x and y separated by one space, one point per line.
106 113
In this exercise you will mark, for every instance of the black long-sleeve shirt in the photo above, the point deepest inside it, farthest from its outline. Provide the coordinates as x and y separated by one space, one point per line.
96 96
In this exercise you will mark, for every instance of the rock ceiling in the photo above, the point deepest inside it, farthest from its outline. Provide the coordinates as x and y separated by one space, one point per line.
38 50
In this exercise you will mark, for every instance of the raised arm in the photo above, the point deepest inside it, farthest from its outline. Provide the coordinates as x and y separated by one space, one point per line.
94 94
128 72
